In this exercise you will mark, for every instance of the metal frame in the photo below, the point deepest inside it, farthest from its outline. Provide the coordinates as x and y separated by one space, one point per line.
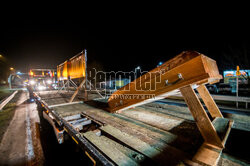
81 141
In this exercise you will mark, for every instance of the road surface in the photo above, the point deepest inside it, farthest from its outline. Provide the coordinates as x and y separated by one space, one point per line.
30 140
19 145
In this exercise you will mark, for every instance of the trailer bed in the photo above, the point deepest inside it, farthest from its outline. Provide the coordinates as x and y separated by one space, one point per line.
142 135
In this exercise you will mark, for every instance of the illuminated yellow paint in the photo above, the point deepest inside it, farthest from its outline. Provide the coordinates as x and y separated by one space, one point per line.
31 73
74 140
65 70
94 162
65 129
74 68
58 72
77 67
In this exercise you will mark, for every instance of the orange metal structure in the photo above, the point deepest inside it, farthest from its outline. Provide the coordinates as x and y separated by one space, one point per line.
77 66
72 68
62 71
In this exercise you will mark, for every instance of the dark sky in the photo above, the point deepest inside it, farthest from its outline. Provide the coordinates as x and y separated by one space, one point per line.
124 40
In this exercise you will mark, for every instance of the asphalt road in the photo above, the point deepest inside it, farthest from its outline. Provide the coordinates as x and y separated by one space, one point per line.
30 140
18 146
222 109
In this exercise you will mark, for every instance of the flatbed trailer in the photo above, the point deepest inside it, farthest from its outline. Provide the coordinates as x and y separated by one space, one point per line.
138 136
120 130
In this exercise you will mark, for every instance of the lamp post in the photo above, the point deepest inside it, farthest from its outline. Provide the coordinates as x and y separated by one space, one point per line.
137 68
11 72
237 84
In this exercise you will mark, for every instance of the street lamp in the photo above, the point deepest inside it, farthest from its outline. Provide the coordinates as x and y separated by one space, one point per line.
12 70
2 58
137 68
159 64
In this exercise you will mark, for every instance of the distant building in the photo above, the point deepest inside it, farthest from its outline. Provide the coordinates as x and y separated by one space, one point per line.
229 77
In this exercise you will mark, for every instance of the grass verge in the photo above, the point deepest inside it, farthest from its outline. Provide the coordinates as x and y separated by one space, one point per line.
6 115
4 93
5 118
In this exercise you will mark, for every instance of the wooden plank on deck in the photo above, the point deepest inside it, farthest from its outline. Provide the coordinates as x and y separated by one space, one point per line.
131 141
160 156
118 153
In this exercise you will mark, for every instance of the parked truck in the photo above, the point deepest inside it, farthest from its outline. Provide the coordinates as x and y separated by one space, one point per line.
42 79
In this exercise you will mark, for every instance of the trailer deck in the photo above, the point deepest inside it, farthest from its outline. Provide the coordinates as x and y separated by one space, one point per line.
133 137
123 130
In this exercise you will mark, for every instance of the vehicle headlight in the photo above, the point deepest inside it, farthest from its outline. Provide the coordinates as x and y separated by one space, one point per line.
49 82
32 82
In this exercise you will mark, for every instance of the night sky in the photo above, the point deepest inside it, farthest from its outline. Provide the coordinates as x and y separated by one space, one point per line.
126 39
